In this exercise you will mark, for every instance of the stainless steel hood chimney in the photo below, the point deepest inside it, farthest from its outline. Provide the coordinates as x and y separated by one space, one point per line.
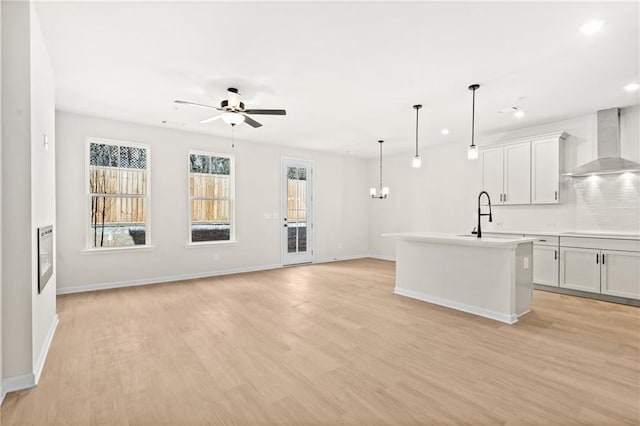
609 160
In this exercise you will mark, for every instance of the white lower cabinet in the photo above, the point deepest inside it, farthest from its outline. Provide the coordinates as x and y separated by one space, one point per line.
545 265
620 272
580 269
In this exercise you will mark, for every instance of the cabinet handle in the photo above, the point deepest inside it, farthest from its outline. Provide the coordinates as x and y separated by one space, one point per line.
543 241
505 197
555 255
603 258
556 195
500 197
597 258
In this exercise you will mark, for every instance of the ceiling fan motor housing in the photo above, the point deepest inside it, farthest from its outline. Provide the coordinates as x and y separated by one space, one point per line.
225 105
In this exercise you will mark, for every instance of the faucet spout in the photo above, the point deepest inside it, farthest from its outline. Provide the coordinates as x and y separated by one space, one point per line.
480 214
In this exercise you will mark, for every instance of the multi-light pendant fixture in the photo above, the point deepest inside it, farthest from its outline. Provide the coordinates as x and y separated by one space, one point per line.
384 190
472 151
416 163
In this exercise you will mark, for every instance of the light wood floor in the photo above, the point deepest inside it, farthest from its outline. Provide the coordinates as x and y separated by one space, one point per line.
329 343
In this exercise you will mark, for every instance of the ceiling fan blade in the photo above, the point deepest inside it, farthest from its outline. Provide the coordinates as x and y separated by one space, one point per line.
196 104
251 122
266 111
210 119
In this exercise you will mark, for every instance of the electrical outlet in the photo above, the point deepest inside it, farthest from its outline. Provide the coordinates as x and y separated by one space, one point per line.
216 257
526 263
340 245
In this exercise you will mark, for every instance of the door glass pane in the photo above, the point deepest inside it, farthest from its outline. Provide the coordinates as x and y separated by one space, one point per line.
291 238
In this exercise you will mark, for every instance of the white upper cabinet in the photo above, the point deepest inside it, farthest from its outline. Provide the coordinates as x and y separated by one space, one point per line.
492 173
545 171
523 172
517 174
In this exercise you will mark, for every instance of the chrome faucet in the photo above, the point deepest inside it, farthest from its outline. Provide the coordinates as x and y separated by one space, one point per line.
480 214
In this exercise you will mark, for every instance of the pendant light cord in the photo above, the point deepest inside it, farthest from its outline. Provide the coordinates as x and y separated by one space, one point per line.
380 166
473 117
417 109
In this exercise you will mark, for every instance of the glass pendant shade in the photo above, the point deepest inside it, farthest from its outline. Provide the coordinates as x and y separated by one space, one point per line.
232 118
385 191
472 152
416 163
372 192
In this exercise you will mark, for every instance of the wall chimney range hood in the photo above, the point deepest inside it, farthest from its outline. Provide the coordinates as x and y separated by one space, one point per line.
609 160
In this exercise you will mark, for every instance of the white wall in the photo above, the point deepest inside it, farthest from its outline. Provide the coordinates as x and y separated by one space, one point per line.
442 195
43 185
341 205
28 180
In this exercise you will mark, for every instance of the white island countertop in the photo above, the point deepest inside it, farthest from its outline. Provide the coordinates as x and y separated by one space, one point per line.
459 239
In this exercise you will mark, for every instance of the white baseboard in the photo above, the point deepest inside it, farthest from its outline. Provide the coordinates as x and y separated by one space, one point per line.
509 319
340 258
383 257
158 280
16 383
45 350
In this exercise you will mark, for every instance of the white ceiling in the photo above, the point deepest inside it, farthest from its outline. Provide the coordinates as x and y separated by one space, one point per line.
347 73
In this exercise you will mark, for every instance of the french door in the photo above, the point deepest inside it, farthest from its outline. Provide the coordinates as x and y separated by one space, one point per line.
297 211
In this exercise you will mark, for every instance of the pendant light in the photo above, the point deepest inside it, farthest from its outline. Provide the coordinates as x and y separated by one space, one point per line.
416 163
384 190
472 151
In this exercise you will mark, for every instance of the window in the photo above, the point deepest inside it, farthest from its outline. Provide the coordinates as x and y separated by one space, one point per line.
118 192
211 197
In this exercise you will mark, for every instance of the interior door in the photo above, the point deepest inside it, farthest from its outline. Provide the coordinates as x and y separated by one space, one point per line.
297 223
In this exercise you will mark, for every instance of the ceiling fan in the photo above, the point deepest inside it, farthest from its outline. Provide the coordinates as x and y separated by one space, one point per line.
232 110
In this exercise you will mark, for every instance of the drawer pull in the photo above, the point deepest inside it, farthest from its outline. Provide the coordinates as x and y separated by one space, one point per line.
543 241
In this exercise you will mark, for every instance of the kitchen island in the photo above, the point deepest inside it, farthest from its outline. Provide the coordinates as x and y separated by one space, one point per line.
491 276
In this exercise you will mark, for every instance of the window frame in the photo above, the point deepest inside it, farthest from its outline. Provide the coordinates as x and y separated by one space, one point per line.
87 194
232 199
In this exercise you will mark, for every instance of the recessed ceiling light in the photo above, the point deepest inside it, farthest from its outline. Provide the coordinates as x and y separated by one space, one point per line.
518 114
591 27
632 87
444 131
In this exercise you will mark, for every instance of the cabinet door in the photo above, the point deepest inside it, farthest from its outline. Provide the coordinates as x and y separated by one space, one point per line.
545 265
545 171
517 173
621 273
492 170
580 269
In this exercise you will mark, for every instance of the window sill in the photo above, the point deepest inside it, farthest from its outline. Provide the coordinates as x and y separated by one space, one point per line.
212 244
117 249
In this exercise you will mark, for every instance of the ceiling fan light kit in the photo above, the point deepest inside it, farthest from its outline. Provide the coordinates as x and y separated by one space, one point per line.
384 190
416 163
472 151
232 110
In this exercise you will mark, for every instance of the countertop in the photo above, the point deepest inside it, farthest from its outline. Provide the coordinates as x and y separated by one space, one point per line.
579 234
466 240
